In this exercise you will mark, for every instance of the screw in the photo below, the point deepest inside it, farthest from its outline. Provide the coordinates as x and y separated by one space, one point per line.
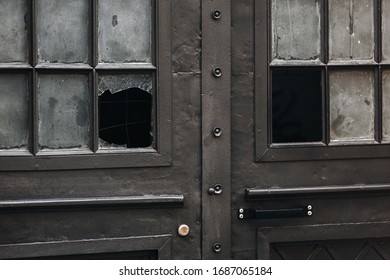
217 72
217 131
217 247
216 14
309 207
241 210
309 213
241 216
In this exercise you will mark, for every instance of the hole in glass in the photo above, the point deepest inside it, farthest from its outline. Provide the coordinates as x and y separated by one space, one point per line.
125 119
296 105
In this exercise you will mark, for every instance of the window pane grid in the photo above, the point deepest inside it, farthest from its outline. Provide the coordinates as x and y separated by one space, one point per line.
363 24
37 56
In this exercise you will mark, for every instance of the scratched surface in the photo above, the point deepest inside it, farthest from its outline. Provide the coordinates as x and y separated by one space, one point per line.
13 111
294 24
125 28
13 31
386 31
386 105
351 29
64 110
351 105
63 31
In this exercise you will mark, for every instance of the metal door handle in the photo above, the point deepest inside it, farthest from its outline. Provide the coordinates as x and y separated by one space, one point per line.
246 214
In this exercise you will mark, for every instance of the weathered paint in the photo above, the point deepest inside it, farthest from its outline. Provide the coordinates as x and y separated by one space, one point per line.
14 100
13 31
63 31
64 106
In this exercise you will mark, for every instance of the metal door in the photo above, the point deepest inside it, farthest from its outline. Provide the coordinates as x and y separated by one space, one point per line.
65 193
322 193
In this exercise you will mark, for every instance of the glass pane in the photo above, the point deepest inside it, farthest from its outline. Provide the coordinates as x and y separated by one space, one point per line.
386 105
296 26
13 31
125 111
63 31
351 105
386 30
125 28
64 111
296 106
351 29
13 111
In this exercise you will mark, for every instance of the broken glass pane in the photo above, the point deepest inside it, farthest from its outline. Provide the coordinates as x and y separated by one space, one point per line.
351 105
125 111
125 31
13 111
13 31
386 30
296 105
351 29
64 111
63 31
296 29
386 105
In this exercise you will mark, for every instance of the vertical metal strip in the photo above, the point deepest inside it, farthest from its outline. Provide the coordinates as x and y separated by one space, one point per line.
216 154
34 80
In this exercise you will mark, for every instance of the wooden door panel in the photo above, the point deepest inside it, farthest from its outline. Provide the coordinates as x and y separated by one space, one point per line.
349 241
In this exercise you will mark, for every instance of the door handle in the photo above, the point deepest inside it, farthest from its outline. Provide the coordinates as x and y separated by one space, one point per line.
246 214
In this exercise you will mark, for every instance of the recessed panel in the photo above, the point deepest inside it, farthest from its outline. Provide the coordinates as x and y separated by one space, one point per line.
352 106
64 111
14 112
13 31
351 29
125 31
296 105
386 105
296 29
63 31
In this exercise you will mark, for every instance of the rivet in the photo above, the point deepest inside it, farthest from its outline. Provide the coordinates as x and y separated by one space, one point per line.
309 207
241 216
216 15
217 131
217 247
183 230
241 210
309 213
217 72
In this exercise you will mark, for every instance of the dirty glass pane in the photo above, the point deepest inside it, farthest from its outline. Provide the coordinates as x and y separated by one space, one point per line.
64 111
386 30
125 111
13 111
351 29
386 105
296 29
351 105
296 105
125 28
13 31
63 30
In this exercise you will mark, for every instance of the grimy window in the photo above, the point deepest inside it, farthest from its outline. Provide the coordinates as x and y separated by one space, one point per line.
330 70
76 75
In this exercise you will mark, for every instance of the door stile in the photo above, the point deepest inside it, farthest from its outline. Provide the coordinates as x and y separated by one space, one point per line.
216 129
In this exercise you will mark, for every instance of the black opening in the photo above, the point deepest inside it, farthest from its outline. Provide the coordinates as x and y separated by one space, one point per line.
125 118
296 105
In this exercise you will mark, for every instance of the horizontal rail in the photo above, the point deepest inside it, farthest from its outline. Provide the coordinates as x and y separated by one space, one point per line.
264 193
123 201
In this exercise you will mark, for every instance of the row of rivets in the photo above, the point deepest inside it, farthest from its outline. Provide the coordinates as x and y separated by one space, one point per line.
217 132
